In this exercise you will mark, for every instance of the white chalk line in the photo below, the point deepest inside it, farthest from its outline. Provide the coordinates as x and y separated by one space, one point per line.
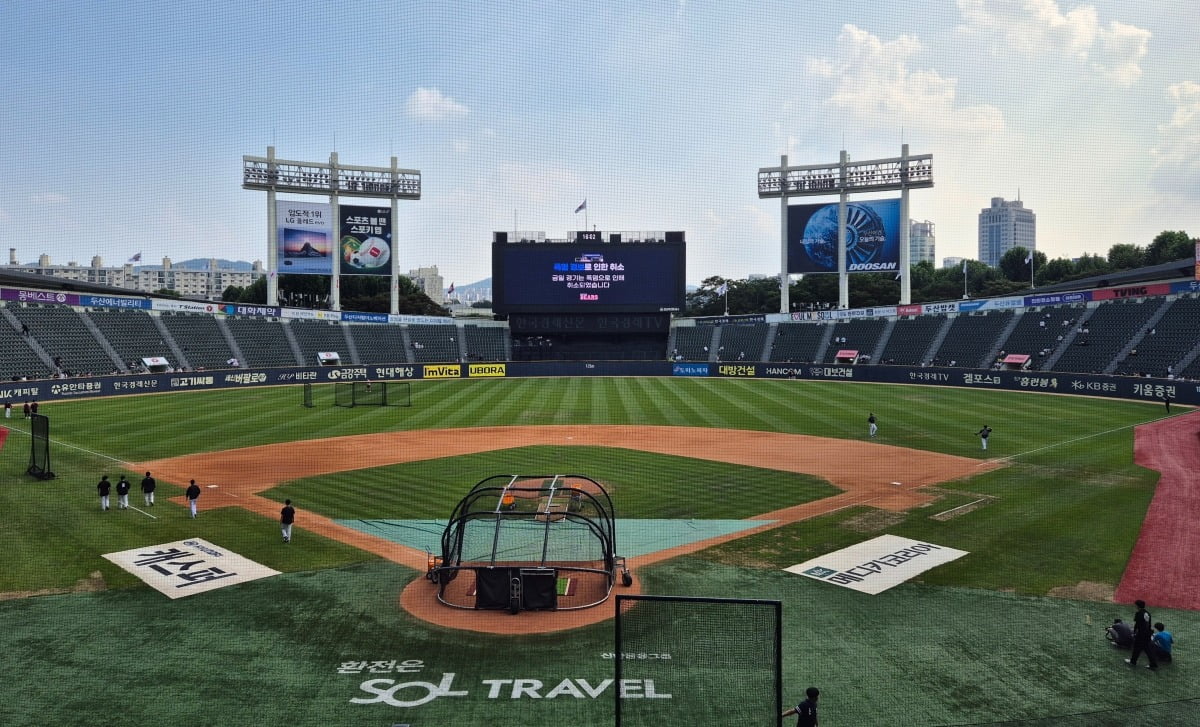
1070 441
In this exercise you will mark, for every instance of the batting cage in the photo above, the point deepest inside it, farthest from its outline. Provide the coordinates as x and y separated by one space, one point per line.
39 447
694 656
372 393
530 542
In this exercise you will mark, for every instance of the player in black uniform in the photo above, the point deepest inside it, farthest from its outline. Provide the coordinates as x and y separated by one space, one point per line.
287 516
984 434
1142 632
123 493
806 711
148 485
104 487
192 493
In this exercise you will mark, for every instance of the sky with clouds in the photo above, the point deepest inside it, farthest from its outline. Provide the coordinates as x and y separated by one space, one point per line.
124 124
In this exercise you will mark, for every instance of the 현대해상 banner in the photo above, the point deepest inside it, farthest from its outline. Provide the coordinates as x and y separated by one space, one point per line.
876 565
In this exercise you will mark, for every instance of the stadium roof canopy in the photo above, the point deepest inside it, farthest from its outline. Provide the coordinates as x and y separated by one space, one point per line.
1162 272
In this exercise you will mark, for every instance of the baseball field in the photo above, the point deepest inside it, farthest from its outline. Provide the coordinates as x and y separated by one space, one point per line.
717 484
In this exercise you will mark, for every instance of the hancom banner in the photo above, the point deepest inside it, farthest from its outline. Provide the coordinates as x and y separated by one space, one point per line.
305 232
877 564
366 240
872 237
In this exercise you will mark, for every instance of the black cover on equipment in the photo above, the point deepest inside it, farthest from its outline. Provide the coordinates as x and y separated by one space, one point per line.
539 589
491 587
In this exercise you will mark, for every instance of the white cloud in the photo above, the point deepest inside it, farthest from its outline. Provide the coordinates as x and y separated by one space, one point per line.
875 84
48 198
430 104
1176 156
1036 27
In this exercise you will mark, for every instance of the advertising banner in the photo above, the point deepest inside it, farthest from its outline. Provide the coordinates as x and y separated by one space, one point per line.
187 567
1132 291
877 564
305 238
366 240
872 237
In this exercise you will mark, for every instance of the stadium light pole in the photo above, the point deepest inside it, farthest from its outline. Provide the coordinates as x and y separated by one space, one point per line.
844 178
333 180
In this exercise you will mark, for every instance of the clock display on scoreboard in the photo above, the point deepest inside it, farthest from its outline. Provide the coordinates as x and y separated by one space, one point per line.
587 277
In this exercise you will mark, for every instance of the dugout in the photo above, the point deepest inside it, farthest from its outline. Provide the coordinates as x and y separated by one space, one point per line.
530 542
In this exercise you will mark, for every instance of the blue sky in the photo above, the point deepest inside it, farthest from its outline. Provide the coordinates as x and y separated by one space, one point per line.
124 123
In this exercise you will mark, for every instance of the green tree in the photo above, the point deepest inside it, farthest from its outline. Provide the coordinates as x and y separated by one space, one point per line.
1014 267
1169 246
232 294
1123 256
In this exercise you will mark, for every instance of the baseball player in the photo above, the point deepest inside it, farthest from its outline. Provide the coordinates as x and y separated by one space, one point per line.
872 428
104 487
192 494
983 435
123 493
287 516
148 485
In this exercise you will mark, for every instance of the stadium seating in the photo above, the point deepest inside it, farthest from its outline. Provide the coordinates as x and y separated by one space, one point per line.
65 336
860 334
1099 337
19 358
1173 336
314 337
486 343
971 338
434 343
693 342
1037 332
797 342
911 340
742 342
133 335
199 338
377 344
263 342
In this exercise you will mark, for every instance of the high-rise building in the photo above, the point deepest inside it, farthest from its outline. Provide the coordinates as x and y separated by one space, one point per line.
1002 227
921 242
430 282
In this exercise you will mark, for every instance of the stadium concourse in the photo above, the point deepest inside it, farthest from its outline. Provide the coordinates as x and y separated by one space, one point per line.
866 472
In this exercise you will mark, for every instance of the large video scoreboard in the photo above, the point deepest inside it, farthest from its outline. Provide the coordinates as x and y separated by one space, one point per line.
585 276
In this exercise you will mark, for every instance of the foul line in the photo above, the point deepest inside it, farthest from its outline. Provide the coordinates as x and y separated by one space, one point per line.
131 507
1072 441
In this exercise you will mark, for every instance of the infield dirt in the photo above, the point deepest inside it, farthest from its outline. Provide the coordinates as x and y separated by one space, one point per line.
867 473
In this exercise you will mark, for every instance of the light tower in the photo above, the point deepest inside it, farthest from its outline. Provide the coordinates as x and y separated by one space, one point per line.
334 180
876 175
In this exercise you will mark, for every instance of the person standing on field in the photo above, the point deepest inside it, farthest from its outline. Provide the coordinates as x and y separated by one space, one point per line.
123 493
148 486
287 516
192 494
806 711
104 487
871 426
1142 633
983 436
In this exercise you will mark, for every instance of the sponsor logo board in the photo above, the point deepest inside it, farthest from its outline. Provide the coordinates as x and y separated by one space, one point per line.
878 564
187 567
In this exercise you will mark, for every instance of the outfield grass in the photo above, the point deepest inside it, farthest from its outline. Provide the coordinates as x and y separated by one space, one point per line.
975 640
